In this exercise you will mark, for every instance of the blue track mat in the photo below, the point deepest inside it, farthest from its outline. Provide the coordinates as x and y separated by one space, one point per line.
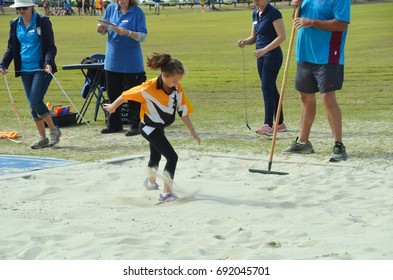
15 164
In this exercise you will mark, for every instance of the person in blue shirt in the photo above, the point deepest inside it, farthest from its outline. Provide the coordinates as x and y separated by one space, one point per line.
157 7
267 33
322 31
32 47
124 66
1 7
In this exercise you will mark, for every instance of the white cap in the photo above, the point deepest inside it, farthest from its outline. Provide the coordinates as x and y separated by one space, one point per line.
22 3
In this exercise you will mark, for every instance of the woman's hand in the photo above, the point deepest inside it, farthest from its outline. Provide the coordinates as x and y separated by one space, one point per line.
259 52
241 44
101 28
121 31
48 69
3 71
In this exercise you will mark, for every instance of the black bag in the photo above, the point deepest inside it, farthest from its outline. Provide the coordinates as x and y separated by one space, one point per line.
90 74
89 60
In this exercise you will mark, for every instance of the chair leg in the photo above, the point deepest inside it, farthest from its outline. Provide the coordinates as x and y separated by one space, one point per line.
99 102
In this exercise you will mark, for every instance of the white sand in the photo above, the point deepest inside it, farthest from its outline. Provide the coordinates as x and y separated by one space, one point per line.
99 210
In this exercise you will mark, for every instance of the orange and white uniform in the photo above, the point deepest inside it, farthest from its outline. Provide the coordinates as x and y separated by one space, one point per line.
158 108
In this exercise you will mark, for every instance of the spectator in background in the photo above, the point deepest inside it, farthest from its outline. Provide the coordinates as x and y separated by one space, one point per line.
99 6
79 4
157 7
93 7
202 3
1 7
124 67
86 7
46 6
67 9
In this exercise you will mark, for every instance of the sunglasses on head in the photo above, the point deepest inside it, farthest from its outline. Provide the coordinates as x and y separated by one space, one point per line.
22 8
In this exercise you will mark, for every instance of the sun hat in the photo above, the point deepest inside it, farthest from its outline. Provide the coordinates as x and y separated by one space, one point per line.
22 3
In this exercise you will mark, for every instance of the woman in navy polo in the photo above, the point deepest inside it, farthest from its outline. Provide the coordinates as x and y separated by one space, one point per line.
267 33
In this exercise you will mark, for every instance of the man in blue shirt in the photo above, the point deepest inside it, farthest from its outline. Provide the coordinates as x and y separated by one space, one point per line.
320 67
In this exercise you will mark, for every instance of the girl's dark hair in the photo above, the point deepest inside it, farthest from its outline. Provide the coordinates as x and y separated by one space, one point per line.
165 63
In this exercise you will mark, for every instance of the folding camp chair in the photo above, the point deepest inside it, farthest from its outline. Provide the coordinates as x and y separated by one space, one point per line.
95 84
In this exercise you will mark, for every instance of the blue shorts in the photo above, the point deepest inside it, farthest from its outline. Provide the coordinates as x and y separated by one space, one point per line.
311 78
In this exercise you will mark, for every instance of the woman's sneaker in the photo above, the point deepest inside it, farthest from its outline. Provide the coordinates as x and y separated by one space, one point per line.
168 197
269 130
339 152
282 128
150 187
54 137
43 142
265 129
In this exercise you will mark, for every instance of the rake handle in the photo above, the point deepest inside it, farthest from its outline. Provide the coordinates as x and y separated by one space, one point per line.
282 91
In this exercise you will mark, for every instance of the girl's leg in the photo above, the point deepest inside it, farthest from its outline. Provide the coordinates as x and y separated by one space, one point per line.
159 145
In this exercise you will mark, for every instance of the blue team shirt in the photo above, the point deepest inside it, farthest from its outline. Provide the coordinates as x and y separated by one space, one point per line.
264 29
319 46
124 54
30 50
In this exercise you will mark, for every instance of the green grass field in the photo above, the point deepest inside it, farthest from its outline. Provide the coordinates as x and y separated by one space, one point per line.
206 44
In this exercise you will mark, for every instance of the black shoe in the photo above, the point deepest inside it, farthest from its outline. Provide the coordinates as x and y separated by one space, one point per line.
108 130
133 132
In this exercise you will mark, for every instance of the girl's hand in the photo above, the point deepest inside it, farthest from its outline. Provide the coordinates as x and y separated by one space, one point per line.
195 136
109 108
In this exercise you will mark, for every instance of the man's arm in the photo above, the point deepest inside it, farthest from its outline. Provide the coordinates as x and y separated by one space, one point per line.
332 25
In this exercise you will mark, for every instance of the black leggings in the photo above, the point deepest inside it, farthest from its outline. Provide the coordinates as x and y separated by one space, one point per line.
159 145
